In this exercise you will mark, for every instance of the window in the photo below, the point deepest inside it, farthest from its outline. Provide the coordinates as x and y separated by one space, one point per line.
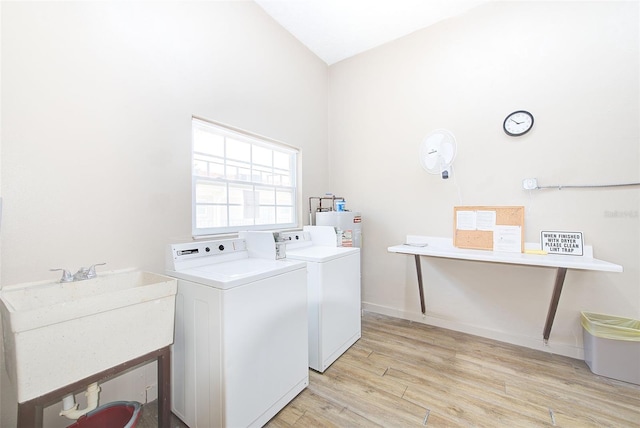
240 181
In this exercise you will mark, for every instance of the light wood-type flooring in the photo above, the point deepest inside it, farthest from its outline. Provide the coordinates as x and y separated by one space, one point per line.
407 374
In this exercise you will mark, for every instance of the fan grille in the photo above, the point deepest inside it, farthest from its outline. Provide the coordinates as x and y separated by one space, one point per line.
437 151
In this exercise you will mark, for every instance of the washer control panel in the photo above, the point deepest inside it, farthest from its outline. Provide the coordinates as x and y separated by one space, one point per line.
194 250
292 237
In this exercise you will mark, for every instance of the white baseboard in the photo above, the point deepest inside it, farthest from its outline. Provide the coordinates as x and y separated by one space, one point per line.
528 342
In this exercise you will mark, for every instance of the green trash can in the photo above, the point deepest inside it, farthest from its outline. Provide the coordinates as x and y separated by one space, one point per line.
612 346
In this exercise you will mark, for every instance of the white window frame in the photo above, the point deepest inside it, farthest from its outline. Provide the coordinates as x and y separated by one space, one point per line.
253 140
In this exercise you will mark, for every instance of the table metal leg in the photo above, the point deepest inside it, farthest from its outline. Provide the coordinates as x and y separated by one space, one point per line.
555 298
420 287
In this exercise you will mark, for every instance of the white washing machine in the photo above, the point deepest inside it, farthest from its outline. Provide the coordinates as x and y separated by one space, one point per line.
240 350
333 281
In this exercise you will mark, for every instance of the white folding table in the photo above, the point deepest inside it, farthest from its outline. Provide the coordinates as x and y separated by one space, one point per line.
443 247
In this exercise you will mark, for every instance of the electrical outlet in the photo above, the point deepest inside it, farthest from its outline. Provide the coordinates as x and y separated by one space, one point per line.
529 184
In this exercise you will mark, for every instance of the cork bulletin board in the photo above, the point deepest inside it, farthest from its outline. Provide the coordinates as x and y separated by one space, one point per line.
488 227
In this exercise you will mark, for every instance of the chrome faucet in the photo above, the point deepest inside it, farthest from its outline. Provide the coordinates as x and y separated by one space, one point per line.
82 274
66 275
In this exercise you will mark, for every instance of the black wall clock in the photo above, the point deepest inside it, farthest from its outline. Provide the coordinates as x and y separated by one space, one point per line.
518 123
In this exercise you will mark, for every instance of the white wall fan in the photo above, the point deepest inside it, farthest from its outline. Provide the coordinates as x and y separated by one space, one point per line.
437 151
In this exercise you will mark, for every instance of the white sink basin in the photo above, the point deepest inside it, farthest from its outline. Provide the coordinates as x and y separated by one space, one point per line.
59 333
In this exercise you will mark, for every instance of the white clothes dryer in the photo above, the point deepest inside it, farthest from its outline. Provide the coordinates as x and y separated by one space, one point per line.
240 351
333 283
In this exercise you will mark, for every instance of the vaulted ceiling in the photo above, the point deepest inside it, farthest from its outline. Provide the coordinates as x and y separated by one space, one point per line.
338 29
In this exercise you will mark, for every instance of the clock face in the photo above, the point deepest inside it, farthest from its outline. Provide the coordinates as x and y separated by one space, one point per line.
518 123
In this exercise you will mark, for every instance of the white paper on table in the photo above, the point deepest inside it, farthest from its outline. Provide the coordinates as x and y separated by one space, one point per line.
507 239
485 220
466 220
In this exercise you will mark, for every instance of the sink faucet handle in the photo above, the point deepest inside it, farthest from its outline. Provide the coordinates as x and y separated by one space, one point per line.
91 272
66 275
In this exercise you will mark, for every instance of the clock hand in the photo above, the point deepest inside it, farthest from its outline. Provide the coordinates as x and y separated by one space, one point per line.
517 123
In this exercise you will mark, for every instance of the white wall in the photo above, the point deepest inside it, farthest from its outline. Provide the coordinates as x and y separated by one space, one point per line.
97 99
575 66
96 105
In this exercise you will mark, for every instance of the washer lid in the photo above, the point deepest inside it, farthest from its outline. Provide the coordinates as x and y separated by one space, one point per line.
320 253
237 272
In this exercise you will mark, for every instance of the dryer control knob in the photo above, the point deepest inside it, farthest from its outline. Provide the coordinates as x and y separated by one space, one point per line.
221 247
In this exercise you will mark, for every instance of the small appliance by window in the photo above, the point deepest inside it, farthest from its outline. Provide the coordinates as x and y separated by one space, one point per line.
240 181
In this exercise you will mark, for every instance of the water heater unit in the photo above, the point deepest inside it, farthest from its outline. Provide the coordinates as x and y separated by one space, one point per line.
348 225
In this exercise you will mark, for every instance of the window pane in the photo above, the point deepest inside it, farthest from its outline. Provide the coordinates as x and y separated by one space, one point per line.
216 169
284 180
237 218
211 216
206 142
262 156
285 215
262 174
267 215
240 171
267 196
251 202
208 166
200 168
284 198
282 160
237 194
238 150
211 193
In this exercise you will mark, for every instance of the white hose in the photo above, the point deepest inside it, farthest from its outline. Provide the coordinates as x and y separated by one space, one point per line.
70 408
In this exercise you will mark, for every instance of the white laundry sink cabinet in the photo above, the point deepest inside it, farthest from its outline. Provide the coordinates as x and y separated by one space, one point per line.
58 333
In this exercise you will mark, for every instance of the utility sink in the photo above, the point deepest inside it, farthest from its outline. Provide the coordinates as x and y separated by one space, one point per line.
57 333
